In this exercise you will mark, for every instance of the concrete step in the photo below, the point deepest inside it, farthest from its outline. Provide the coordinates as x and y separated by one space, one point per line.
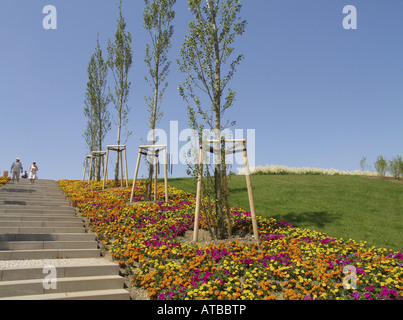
32 196
22 230
39 224
49 254
110 294
44 203
42 217
7 192
39 227
34 269
48 237
18 192
67 284
39 245
36 209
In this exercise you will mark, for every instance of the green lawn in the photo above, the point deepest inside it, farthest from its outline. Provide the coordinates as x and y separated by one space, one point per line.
345 207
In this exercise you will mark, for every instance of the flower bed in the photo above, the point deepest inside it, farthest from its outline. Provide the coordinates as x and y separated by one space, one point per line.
290 263
4 180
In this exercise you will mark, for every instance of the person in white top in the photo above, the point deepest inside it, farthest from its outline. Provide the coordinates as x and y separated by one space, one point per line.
16 169
33 172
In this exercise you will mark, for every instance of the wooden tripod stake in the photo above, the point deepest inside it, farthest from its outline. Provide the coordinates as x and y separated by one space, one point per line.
99 154
157 149
240 142
86 164
120 149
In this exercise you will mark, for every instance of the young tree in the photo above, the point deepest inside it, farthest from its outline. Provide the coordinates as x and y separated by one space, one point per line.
96 104
204 56
381 165
120 61
394 166
158 16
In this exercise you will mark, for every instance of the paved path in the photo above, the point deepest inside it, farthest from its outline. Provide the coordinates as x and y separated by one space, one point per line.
45 251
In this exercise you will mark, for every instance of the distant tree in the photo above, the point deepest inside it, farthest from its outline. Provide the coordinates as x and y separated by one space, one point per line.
120 61
395 166
158 16
96 105
204 58
363 164
381 165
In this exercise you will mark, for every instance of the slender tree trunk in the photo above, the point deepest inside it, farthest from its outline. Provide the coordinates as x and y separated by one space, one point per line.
117 153
217 126
99 149
153 123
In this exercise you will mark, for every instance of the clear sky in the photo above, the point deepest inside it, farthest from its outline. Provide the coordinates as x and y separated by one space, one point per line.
316 94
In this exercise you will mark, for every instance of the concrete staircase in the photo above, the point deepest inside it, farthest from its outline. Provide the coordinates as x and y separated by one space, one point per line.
45 251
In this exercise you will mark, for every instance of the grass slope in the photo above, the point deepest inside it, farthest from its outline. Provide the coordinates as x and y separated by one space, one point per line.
348 207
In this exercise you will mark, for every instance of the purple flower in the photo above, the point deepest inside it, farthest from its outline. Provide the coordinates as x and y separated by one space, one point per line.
355 295
367 295
372 289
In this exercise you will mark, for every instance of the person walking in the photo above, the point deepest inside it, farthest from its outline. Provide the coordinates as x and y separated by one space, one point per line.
16 169
33 172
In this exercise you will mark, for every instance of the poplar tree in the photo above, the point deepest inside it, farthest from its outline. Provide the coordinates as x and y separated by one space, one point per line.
120 61
96 105
205 55
158 16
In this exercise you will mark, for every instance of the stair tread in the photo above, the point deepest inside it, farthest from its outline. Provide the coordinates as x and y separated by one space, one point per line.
39 227
71 262
73 295
65 279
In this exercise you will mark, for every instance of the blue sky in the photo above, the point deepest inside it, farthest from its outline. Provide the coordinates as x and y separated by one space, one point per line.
316 95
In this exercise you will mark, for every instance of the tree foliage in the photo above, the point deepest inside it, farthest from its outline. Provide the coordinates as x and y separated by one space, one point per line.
206 59
96 105
158 16
120 61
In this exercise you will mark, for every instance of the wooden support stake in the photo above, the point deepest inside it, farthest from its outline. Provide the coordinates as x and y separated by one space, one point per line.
229 224
250 194
198 197
89 176
157 149
106 169
121 167
85 166
127 174
119 150
135 176
155 174
165 175
248 184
